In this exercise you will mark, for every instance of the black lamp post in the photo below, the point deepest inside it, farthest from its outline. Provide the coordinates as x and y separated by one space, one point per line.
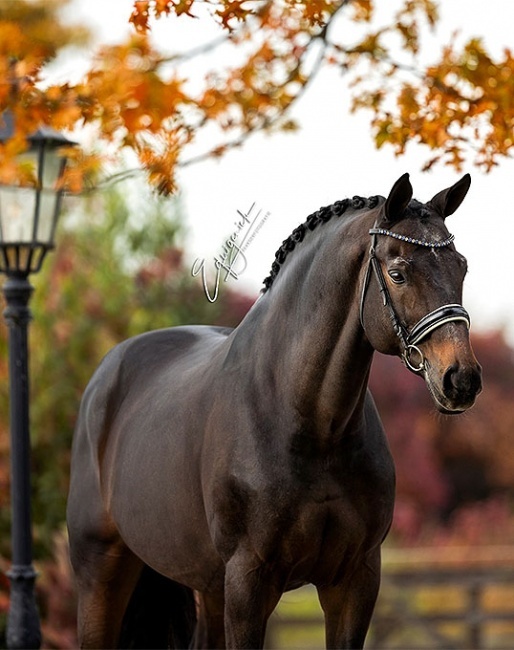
28 219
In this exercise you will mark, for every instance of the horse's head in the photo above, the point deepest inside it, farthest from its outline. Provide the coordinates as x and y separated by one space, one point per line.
412 294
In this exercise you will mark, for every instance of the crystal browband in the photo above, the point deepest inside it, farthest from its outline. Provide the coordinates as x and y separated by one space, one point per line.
412 240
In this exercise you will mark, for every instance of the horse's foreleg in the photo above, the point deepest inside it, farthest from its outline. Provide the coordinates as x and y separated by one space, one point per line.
348 606
251 594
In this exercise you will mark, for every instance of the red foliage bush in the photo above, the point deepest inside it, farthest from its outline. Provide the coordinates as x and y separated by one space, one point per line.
450 469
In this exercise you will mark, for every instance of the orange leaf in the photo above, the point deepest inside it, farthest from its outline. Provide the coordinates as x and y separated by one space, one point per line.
140 15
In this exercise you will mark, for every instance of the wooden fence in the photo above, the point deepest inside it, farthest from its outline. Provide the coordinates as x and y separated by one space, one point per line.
429 599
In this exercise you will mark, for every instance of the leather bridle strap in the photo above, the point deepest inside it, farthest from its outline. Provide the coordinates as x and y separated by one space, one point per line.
426 325
435 319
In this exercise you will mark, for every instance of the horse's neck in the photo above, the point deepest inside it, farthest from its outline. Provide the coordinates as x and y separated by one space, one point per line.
308 339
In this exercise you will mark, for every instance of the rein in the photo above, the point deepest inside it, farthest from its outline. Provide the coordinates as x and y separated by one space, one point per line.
426 325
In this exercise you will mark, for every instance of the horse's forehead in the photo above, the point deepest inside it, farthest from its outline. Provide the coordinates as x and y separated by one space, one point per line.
427 225
424 223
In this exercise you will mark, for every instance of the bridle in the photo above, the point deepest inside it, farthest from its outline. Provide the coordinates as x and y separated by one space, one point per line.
409 340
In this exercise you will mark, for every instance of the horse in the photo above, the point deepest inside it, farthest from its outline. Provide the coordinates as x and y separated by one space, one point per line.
213 469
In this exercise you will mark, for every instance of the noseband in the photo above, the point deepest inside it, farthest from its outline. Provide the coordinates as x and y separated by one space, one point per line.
426 325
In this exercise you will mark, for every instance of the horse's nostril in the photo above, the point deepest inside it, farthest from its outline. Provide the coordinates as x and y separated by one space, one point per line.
450 382
462 380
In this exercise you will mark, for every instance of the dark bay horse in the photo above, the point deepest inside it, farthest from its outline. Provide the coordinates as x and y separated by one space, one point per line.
238 464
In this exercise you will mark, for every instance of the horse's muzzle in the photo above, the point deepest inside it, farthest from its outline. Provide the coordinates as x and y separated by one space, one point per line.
458 387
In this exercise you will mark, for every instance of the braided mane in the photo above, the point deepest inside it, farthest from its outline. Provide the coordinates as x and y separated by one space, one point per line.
321 216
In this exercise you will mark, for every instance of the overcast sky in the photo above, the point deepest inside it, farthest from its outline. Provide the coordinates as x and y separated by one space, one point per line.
332 157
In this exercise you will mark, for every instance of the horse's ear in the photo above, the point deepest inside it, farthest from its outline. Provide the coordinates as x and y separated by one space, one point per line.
398 199
447 201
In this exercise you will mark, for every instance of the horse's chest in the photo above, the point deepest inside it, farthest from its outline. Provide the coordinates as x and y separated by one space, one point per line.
312 540
309 530
307 515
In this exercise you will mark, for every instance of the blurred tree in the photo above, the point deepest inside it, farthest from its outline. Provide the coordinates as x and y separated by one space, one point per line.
447 464
140 98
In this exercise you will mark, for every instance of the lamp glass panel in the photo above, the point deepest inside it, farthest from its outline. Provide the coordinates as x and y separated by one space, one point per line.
11 253
28 162
47 214
51 167
17 207
52 164
24 255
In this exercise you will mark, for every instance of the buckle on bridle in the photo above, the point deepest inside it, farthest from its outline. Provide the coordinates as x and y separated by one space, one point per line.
407 358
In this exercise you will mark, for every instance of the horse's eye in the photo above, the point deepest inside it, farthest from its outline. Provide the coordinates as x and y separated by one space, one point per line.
396 277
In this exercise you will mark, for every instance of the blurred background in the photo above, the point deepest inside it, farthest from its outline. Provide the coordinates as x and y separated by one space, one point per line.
123 266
